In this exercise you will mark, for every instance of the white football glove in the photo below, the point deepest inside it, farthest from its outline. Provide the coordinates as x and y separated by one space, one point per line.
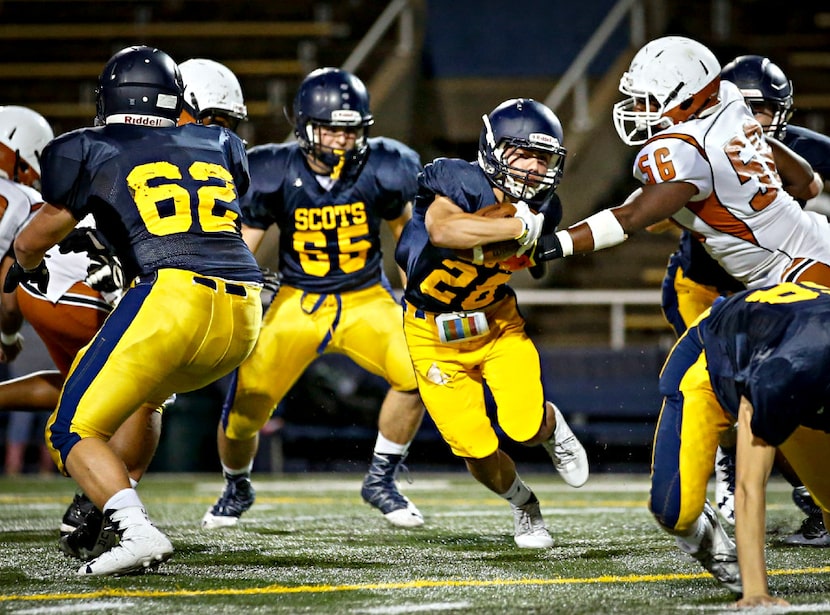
532 224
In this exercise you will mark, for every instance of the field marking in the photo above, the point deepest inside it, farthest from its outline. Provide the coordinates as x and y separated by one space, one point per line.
421 584
414 608
76 608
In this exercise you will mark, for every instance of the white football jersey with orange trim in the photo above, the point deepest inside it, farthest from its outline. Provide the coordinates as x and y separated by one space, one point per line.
66 269
748 222
18 203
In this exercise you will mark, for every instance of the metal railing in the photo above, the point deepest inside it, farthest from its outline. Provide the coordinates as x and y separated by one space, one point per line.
616 300
399 11
575 81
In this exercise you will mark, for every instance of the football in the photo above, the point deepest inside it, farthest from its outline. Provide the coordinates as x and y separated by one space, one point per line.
500 251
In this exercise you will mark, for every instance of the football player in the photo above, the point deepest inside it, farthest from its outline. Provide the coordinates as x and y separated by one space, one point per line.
762 358
166 199
82 290
23 134
694 279
706 164
212 95
463 327
328 193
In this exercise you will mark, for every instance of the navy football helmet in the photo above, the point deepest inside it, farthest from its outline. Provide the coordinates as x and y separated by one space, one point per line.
332 97
527 124
139 85
764 86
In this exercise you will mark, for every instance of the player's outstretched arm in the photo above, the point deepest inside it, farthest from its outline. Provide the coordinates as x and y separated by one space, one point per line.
610 227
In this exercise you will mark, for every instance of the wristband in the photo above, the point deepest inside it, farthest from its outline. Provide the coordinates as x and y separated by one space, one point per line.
606 229
566 242
9 339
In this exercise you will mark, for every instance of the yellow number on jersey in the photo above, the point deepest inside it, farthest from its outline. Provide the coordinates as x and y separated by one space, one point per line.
456 278
787 293
165 207
352 251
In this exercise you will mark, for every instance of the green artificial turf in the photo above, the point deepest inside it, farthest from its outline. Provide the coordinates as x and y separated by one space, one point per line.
310 545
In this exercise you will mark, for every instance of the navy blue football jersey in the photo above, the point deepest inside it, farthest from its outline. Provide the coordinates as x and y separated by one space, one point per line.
813 146
772 346
329 238
437 280
163 197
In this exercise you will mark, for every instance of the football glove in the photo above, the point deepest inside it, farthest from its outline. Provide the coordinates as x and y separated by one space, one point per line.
537 271
10 346
104 273
85 239
39 276
270 286
532 225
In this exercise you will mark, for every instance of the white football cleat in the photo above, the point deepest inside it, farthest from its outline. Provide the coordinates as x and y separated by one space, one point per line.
530 530
405 517
569 456
141 545
716 551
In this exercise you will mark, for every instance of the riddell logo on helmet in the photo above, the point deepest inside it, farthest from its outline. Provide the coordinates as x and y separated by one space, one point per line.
543 139
145 120
140 120
345 116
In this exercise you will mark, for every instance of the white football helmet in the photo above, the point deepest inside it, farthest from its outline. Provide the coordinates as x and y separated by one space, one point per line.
212 90
23 135
671 80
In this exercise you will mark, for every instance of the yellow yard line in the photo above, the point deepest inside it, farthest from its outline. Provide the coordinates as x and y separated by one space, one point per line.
418 584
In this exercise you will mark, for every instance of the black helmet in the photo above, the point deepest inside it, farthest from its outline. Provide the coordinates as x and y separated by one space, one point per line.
332 97
763 83
139 85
